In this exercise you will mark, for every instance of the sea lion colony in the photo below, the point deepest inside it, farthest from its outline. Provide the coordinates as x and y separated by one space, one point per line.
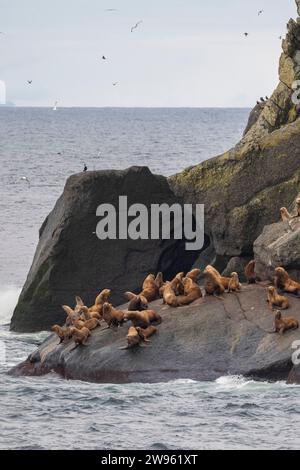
180 291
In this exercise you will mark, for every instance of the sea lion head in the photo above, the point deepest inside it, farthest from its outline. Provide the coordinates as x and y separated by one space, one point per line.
105 294
278 315
281 273
271 289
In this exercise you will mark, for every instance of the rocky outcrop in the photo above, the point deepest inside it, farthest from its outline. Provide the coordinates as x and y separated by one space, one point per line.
278 245
244 188
70 260
203 341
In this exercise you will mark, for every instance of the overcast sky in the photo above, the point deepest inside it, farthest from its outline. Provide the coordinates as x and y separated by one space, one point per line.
185 53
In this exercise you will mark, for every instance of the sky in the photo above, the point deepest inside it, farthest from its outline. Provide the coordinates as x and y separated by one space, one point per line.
185 53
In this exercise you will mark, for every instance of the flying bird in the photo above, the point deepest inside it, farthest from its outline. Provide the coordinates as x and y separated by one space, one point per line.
24 178
280 37
115 83
246 34
260 12
103 57
136 25
29 82
111 9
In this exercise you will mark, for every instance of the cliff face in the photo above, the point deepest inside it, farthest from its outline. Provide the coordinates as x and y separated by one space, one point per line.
244 188
70 260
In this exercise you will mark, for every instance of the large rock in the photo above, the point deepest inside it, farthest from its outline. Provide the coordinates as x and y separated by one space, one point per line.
203 341
70 260
278 246
244 188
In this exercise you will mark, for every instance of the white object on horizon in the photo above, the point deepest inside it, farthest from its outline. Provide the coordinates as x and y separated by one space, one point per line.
55 106
2 92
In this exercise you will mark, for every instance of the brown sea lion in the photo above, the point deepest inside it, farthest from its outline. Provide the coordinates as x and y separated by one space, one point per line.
250 272
62 333
276 300
169 295
284 324
192 292
146 333
194 274
159 280
284 282
99 302
224 280
71 315
112 316
212 282
92 324
136 302
150 290
133 338
285 215
143 319
79 324
86 314
234 283
80 337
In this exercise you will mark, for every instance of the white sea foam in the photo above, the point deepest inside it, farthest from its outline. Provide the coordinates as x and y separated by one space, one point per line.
8 300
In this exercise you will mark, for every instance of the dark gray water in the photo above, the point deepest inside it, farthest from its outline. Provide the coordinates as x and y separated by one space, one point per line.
51 413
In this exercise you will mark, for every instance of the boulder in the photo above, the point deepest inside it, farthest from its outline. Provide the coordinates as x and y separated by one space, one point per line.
203 341
278 246
70 260
244 189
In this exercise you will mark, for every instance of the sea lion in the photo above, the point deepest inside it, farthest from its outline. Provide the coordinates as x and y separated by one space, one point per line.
71 315
224 280
92 324
169 295
250 272
212 282
146 333
80 337
284 282
192 292
276 300
79 324
133 338
194 274
136 302
143 319
112 316
99 302
159 280
86 314
284 324
285 215
234 283
149 289
62 333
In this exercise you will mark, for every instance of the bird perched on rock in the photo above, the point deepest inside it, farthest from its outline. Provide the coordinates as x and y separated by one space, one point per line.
262 99
85 168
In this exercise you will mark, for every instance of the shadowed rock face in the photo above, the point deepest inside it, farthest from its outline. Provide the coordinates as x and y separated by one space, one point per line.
203 341
244 188
70 260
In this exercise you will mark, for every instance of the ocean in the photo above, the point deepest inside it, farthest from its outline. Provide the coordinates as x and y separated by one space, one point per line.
50 413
